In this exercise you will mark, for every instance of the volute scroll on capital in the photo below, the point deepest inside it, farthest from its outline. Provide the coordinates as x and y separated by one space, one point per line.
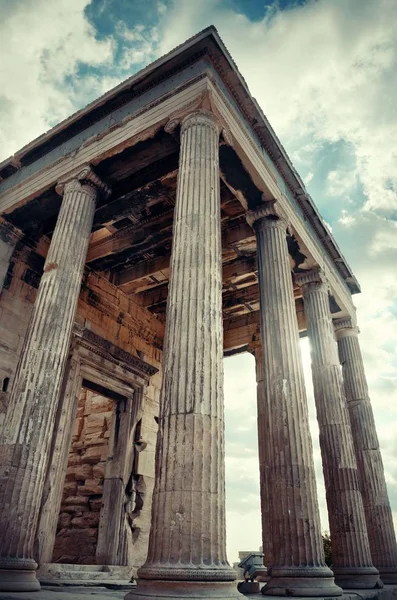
267 214
345 327
315 275
86 176
201 117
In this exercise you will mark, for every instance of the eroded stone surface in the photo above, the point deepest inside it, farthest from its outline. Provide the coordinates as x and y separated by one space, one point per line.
351 557
298 565
77 531
29 421
187 539
378 514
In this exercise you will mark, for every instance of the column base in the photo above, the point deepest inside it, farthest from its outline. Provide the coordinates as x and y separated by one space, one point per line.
181 590
18 575
388 574
301 581
364 578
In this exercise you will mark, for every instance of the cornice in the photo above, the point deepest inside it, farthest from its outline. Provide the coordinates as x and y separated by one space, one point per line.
206 44
101 347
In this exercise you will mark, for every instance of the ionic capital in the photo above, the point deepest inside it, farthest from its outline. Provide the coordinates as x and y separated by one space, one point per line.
266 215
345 327
201 118
84 177
306 279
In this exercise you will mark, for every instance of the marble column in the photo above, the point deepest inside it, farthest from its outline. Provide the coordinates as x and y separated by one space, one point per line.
298 567
351 556
264 445
187 549
29 422
381 534
57 467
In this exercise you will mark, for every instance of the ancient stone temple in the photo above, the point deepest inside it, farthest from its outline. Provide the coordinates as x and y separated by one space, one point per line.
142 239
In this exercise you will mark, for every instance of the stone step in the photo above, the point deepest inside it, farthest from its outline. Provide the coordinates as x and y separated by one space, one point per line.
115 576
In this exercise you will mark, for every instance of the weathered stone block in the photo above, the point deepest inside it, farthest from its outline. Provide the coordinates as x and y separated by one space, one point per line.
69 488
75 500
74 459
79 472
64 520
91 487
96 504
95 439
94 454
101 404
77 428
89 519
77 509
98 470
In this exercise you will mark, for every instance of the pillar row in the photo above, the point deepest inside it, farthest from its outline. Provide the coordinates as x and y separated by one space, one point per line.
378 514
187 545
351 557
298 564
29 422
264 443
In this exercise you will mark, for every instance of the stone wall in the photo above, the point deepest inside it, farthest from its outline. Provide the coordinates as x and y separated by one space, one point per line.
16 303
117 318
77 531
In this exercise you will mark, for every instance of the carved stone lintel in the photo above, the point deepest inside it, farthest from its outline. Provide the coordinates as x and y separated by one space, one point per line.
113 353
84 176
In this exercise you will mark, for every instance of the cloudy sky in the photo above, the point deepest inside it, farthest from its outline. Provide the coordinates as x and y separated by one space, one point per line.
325 74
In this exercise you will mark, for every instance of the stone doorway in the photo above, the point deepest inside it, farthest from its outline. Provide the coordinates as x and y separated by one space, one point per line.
93 440
96 506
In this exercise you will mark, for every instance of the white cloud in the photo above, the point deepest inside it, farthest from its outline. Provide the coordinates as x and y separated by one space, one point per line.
346 219
42 43
325 70
341 183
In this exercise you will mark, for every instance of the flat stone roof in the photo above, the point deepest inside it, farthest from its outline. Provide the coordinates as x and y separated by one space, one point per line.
205 43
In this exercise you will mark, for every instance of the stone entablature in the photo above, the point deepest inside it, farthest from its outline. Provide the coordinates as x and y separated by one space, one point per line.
145 120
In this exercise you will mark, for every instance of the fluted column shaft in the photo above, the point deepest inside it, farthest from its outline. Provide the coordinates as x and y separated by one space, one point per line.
26 438
382 538
264 444
351 557
187 537
298 556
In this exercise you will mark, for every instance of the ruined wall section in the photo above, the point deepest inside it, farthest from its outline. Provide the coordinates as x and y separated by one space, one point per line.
21 273
77 531
109 313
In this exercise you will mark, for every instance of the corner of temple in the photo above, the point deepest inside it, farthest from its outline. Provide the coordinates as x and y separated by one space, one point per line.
85 175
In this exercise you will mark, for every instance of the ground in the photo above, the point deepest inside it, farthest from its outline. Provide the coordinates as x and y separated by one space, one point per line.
66 593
